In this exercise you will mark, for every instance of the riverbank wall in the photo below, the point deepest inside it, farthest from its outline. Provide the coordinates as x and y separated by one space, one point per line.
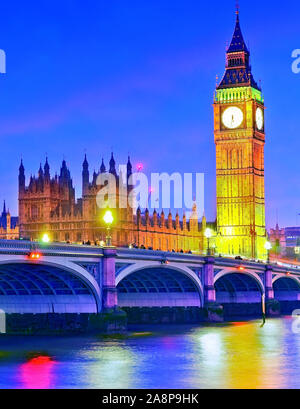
108 322
115 320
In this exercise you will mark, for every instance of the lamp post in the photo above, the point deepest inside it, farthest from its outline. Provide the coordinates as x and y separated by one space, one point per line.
268 247
108 219
263 307
208 235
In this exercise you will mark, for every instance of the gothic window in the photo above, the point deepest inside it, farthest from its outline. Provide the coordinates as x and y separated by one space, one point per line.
34 212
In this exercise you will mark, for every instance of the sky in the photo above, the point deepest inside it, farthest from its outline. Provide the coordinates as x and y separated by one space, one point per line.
138 77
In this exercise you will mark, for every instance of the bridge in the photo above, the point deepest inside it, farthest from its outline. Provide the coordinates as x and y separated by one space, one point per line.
62 278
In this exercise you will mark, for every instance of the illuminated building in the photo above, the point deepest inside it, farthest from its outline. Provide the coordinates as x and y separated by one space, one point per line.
48 205
285 241
239 137
9 229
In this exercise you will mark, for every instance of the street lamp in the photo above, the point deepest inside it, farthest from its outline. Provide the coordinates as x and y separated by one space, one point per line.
208 234
45 238
268 247
108 219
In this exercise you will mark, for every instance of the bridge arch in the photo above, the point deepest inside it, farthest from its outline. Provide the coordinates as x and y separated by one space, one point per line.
47 287
238 286
156 285
286 287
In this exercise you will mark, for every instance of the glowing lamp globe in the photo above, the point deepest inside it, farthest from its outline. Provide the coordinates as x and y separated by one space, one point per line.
208 233
268 245
45 238
108 217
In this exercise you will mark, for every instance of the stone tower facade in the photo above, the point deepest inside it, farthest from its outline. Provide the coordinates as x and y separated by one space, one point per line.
239 138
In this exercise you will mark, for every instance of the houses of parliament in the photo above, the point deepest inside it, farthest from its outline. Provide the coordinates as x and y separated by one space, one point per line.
48 204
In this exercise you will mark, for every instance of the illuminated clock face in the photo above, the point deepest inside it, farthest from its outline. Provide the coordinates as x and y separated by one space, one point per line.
259 119
232 117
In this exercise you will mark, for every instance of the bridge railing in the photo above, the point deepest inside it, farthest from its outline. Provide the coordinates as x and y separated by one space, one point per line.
64 249
24 247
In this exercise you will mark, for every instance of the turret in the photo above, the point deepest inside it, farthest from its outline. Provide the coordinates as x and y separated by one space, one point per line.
194 219
147 217
8 221
21 177
203 223
94 178
238 70
184 222
112 165
162 219
155 218
177 221
138 216
170 220
64 173
47 171
129 168
4 210
85 176
40 179
102 167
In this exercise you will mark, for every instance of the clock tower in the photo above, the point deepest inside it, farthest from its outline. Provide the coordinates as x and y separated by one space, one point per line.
239 137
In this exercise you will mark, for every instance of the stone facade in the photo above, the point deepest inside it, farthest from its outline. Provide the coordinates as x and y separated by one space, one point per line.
285 242
48 205
240 139
277 239
9 227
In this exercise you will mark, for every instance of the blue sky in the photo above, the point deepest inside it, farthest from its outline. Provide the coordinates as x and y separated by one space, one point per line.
138 77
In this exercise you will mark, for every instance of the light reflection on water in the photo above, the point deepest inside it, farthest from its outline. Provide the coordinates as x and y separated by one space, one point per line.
37 372
239 355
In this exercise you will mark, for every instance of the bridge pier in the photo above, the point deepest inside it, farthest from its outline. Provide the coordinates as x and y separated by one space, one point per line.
272 305
108 270
269 292
213 311
208 280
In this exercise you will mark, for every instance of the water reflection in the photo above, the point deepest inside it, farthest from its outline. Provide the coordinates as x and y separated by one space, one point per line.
37 373
238 355
108 367
248 361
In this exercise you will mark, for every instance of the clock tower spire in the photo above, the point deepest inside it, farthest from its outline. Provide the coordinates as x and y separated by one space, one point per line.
239 138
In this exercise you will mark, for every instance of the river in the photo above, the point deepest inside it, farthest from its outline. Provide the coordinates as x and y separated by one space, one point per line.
234 355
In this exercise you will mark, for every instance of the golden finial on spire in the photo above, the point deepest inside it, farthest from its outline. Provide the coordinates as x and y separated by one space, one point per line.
237 7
